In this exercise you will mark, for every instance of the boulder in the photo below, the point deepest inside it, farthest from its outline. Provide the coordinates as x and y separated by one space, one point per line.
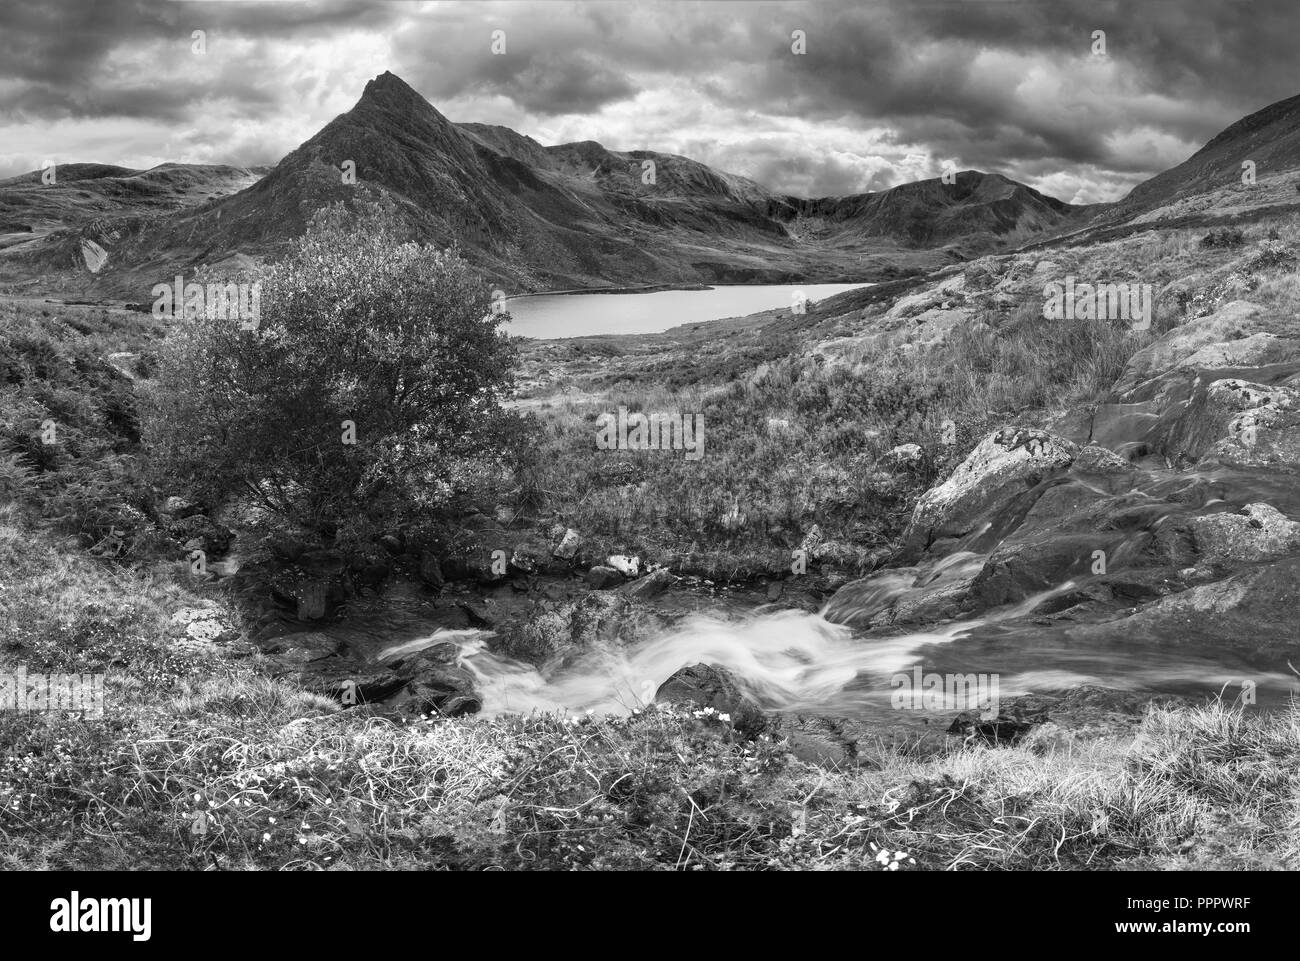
1252 611
710 685
1095 459
568 546
547 632
447 690
626 565
1258 426
907 595
1059 537
827 742
428 681
1233 322
601 577
652 586
294 652
1257 532
203 628
989 491
353 685
1229 420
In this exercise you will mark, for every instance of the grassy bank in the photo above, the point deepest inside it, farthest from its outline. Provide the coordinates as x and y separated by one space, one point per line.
795 437
201 762
204 761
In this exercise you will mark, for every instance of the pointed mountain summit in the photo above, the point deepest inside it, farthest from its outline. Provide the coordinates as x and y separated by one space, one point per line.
534 217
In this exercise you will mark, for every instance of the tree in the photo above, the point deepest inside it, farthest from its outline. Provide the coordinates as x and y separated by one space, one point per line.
367 395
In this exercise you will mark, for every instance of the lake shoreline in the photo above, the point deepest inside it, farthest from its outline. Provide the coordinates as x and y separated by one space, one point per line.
556 316
642 289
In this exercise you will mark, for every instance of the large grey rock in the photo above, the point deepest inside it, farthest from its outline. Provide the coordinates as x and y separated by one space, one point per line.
1257 532
710 685
1256 425
444 689
550 632
988 488
907 595
1252 611
651 586
203 629
1233 322
601 577
568 545
625 564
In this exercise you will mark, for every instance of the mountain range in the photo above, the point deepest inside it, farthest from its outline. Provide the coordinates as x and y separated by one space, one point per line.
574 215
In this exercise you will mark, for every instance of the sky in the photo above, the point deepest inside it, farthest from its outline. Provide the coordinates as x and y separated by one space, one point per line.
884 91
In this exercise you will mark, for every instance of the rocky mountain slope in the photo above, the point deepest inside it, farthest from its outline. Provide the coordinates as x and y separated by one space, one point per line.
64 225
1268 138
534 217
1246 172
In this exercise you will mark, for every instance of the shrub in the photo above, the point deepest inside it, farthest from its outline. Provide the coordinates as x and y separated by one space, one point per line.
367 396
1223 237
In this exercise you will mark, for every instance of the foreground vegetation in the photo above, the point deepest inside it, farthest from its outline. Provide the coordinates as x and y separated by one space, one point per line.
203 760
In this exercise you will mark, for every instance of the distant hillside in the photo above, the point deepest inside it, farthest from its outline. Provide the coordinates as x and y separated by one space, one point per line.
531 217
1270 137
84 194
976 207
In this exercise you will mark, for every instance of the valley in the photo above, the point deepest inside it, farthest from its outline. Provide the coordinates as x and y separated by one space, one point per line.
930 472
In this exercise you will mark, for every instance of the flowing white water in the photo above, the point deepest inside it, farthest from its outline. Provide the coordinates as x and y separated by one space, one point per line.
788 660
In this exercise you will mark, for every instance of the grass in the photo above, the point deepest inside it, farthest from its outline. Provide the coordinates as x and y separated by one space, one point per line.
202 762
794 440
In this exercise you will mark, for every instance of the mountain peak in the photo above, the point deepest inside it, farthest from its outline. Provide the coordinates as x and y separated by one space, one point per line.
390 90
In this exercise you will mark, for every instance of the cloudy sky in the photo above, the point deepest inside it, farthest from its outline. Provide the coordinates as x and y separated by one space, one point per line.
887 91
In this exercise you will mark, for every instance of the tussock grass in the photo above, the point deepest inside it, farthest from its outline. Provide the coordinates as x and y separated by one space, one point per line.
793 441
201 762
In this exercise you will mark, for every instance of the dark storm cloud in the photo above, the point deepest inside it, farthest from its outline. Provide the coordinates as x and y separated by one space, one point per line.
544 82
67 57
1186 68
886 92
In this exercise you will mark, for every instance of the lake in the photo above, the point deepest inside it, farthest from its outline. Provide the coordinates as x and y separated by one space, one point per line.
549 316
